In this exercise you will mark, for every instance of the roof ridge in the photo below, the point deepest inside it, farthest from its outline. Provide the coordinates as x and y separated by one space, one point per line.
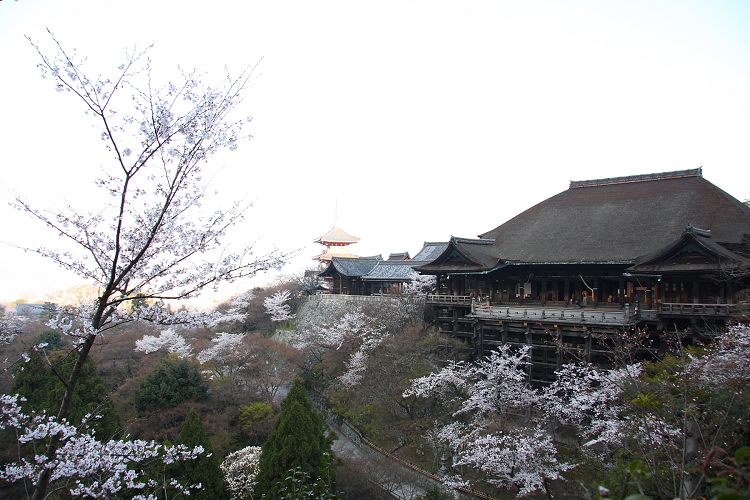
378 258
481 241
696 172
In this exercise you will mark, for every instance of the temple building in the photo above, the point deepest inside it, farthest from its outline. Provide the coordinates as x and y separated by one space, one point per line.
375 276
657 252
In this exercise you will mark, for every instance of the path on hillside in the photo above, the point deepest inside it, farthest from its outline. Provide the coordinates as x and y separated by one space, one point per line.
384 474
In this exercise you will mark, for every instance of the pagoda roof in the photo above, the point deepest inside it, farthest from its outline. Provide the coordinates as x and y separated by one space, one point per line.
337 235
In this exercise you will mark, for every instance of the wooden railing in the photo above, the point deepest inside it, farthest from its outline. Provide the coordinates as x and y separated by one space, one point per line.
449 299
690 309
355 298
557 314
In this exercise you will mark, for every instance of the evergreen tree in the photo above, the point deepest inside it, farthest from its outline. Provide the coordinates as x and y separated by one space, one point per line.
33 381
298 443
37 382
171 382
52 338
205 469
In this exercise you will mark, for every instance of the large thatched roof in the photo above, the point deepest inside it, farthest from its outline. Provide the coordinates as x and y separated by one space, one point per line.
617 220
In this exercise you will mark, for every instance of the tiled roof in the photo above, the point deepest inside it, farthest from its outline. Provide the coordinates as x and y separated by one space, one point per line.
351 266
391 270
431 251
399 256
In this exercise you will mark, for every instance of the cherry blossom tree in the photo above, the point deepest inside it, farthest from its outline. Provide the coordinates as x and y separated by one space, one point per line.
331 334
482 396
86 467
726 362
669 416
151 240
240 469
237 310
277 307
168 339
421 284
688 404
523 457
227 357
258 364
488 389
359 331
590 399
7 330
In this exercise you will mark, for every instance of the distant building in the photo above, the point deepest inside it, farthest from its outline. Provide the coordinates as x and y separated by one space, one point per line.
399 256
39 309
375 276
336 242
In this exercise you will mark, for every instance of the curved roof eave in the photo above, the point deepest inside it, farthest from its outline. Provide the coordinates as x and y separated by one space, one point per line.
337 235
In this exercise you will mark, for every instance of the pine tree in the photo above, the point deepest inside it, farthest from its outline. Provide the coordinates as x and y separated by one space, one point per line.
298 443
204 470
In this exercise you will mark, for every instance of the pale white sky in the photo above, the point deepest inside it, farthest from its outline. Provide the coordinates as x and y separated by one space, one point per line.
424 119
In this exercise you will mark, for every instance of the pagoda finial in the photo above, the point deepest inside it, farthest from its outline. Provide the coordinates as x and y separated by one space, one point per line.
336 213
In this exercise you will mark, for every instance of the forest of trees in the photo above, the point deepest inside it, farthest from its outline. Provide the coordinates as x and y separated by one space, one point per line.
665 428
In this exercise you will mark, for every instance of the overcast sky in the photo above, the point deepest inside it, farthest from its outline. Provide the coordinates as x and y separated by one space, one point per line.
424 119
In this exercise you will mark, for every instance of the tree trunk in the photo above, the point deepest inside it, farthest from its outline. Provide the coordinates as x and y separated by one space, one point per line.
42 484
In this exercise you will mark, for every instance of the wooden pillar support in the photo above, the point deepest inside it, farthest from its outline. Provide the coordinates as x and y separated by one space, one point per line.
559 353
596 292
530 344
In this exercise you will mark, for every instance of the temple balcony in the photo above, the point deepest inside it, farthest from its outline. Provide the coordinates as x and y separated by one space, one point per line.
602 316
559 315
